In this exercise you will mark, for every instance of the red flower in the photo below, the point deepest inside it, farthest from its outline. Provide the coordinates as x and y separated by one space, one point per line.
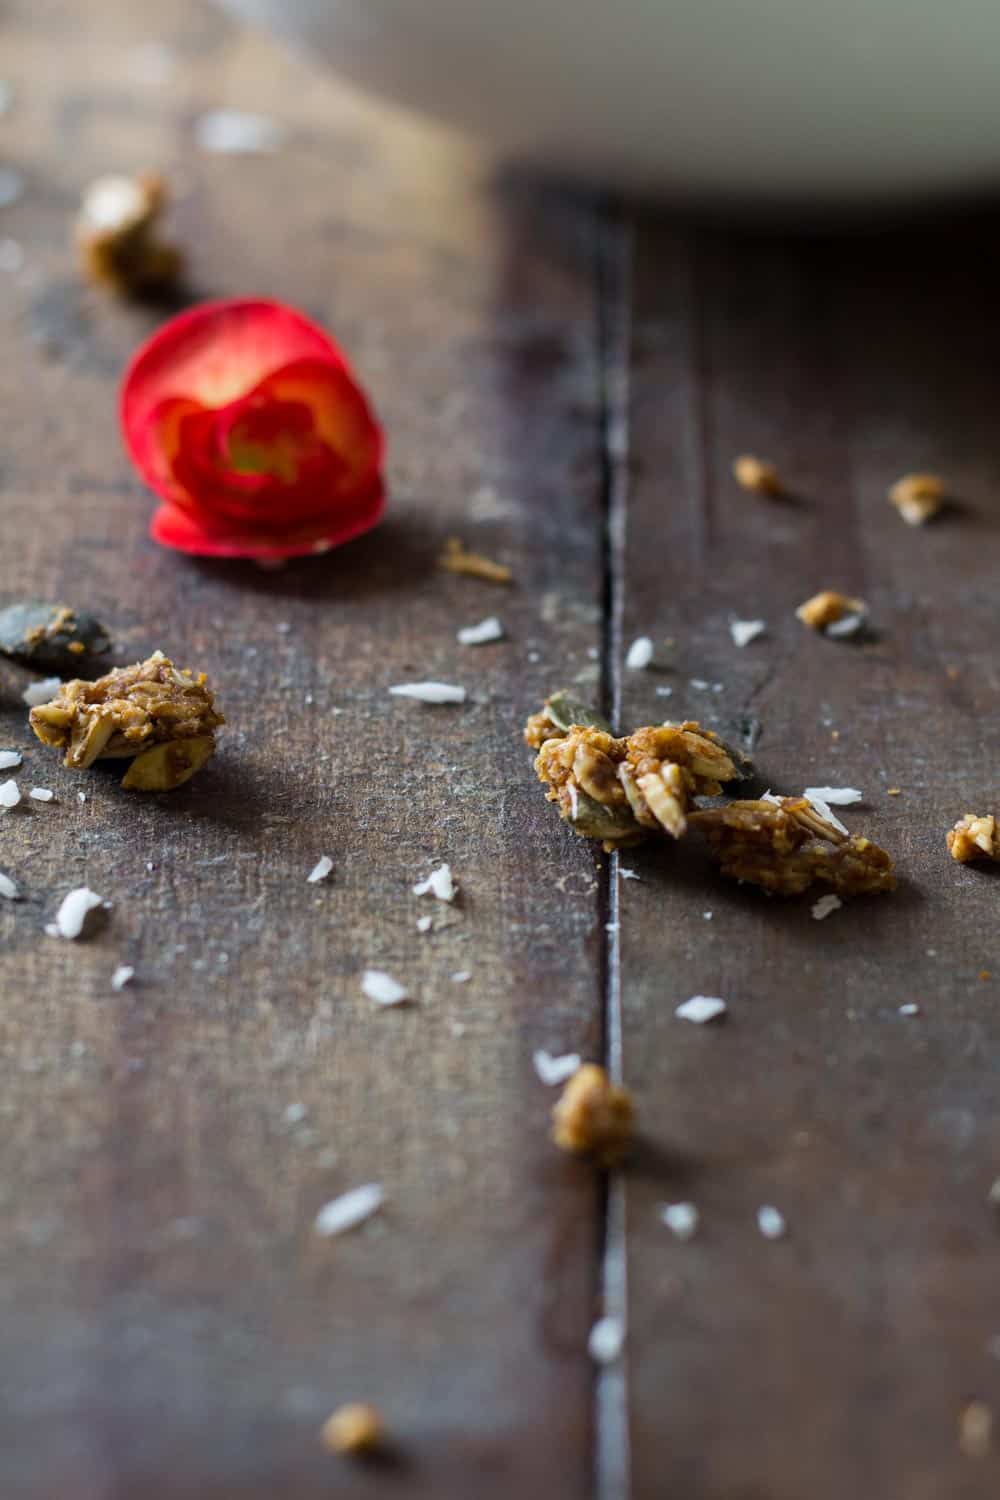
246 420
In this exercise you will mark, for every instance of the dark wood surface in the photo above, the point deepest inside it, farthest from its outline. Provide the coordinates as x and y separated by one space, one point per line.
170 1325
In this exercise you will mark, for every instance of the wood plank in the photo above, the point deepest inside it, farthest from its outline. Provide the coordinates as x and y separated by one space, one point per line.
171 1326
836 1361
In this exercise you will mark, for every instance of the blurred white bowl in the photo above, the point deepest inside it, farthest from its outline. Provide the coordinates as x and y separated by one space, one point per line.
786 100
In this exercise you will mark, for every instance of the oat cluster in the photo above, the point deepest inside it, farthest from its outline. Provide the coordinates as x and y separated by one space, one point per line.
161 718
594 1116
620 788
974 837
117 235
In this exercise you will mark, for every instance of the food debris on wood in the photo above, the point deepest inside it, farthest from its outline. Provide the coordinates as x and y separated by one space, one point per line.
9 760
593 1115
487 630
825 905
606 1340
770 1222
894 791
163 719
353 1429
10 793
681 1219
918 497
756 474
834 613
237 132
909 1008
379 986
349 1210
745 631
440 884
429 692
701 1009
51 637
639 654
320 870
553 1070
8 888
783 844
121 977
456 559
833 796
73 911
117 231
975 1430
974 837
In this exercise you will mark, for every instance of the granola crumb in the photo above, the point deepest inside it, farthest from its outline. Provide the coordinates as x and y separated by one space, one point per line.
784 845
974 837
894 791
457 559
593 1115
756 474
985 974
917 497
952 673
829 607
352 1429
975 1430
116 234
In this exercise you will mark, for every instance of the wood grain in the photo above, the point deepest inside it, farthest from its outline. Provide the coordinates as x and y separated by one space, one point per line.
171 1326
836 1361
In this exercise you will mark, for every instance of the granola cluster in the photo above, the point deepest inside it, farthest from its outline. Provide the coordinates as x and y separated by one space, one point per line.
830 608
785 846
593 1115
918 497
117 234
974 837
161 718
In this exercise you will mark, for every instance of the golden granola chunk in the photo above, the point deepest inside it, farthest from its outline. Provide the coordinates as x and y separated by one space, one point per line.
785 846
128 712
116 234
917 497
828 608
974 837
456 559
756 474
580 769
352 1429
593 1115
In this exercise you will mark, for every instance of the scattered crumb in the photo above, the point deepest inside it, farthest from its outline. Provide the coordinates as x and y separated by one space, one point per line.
745 631
910 1008
72 913
424 924
628 874
893 791
552 1070
917 497
82 797
606 1341
10 794
707 915
993 1196
295 1113
681 1219
639 654
825 905
117 234
320 870
354 1428
41 691
349 1210
975 1430
985 974
438 884
952 673
837 614
382 988
121 977
8 888
699 684
11 256
458 1028
489 629
836 796
826 812
461 976
456 559
9 759
701 1008
756 474
770 1222
237 132
41 794
664 692
11 186
973 837
594 1115
429 692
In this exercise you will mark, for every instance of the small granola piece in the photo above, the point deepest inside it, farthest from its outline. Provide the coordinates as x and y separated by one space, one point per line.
593 1115
975 1430
783 845
830 608
354 1428
756 474
974 837
917 497
456 559
116 234
581 772
164 718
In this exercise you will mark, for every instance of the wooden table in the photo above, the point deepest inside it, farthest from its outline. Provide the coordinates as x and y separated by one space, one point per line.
564 387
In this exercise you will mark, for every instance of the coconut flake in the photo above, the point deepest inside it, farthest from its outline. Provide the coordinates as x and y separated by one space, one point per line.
41 794
10 796
628 874
349 1210
701 1008
681 1219
489 629
429 692
424 924
835 796
770 1222
745 631
847 624
72 913
770 797
121 977
114 202
438 884
664 692
826 811
909 1008
552 1070
295 1113
699 684
606 1341
9 759
237 132
41 691
382 988
82 797
8 888
639 654
825 905
320 869
461 976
